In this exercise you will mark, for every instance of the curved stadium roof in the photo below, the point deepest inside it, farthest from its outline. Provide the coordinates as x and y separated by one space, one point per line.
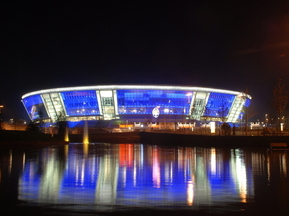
116 87
136 102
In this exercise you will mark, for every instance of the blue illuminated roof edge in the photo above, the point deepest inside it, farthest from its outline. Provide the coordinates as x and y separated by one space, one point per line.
119 87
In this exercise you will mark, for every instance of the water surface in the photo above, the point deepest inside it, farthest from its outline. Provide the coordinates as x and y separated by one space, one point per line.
122 177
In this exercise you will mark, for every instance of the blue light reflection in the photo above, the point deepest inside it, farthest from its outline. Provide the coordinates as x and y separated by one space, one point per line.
136 175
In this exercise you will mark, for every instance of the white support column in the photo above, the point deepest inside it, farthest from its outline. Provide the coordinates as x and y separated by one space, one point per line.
99 102
115 102
236 108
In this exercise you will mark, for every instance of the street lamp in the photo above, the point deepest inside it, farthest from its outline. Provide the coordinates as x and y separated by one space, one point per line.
1 107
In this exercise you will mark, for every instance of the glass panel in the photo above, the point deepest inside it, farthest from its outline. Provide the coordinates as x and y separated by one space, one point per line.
198 108
237 107
247 103
80 103
49 106
56 101
144 101
219 105
35 107
107 101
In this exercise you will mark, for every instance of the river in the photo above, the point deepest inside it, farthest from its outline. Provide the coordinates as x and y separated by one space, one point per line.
104 178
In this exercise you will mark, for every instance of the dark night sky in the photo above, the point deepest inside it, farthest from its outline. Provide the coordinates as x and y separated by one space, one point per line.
234 44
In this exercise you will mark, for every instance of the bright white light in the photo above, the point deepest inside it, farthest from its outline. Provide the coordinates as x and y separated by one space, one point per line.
106 93
190 193
213 161
213 127
116 87
166 110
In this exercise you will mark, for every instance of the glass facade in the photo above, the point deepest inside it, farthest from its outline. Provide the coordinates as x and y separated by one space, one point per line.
247 103
106 103
35 107
80 103
199 104
54 105
219 105
168 102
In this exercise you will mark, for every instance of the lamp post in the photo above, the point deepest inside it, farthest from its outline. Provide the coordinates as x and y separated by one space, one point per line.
1 120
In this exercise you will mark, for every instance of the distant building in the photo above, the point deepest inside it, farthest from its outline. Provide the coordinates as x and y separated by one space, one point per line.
136 104
9 126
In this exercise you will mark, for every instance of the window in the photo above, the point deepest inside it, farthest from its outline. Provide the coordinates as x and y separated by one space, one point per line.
144 101
219 105
80 103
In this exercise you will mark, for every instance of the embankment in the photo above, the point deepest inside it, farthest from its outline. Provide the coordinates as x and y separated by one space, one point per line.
27 139
31 139
211 141
129 137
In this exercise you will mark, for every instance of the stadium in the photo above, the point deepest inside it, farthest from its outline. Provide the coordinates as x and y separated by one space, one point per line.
136 106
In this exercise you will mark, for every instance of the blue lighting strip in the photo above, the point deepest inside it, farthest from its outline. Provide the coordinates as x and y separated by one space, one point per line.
144 101
80 103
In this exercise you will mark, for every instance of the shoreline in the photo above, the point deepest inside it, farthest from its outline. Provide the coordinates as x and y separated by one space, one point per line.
37 139
212 140
27 139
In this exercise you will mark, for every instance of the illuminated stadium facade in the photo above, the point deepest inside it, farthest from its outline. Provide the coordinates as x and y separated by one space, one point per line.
136 104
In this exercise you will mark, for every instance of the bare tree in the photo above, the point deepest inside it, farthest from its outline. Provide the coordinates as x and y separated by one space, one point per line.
279 102
248 110
223 111
61 123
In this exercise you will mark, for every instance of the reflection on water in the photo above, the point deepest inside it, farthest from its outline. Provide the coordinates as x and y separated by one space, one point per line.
136 175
